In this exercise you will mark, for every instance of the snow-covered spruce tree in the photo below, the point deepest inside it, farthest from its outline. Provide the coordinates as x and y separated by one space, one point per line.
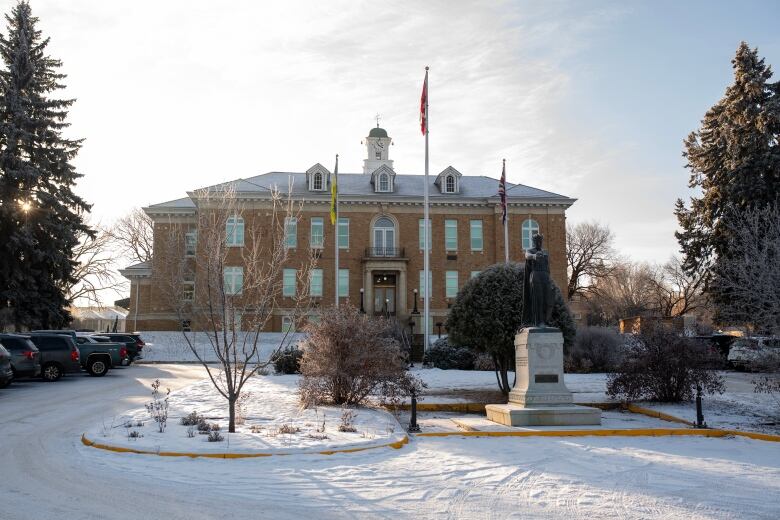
40 216
487 314
734 159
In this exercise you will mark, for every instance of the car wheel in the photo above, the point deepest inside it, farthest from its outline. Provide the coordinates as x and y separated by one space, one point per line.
51 372
97 368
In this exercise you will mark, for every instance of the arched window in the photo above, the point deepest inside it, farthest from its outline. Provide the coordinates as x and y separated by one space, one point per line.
530 228
449 184
384 237
317 183
384 182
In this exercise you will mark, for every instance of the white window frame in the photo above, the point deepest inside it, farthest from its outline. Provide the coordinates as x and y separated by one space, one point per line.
343 283
233 280
188 290
386 178
451 242
289 282
234 231
529 229
478 225
420 289
315 282
317 177
451 291
450 179
288 324
190 240
343 233
317 241
291 232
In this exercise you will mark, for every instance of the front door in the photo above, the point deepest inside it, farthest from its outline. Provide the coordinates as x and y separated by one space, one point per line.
384 294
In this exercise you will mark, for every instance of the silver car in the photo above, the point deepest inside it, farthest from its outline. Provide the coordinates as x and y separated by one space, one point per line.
25 357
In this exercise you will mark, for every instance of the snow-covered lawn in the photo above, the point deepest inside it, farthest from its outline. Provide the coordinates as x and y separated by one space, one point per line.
275 423
171 347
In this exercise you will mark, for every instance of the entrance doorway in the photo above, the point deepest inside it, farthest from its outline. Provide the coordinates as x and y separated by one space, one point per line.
384 294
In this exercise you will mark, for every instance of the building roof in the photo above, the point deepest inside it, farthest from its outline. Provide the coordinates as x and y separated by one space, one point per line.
377 132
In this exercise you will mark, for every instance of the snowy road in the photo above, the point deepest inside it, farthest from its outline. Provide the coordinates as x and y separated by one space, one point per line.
45 473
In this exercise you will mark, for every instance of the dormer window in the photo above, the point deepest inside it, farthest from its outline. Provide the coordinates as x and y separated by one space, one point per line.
384 182
317 178
317 183
449 184
383 179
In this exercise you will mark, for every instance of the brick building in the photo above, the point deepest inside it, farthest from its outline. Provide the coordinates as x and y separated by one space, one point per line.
379 232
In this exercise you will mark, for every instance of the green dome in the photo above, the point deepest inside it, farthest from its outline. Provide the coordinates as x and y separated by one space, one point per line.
377 132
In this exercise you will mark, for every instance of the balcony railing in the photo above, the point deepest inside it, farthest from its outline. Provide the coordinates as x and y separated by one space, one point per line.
384 252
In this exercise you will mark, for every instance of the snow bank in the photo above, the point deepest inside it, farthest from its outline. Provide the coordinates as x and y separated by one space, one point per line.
172 347
272 404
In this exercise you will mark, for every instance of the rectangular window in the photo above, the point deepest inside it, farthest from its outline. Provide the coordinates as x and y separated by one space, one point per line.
291 232
289 278
451 235
234 280
317 232
343 233
476 235
343 283
234 231
474 274
451 281
315 286
421 287
187 291
421 231
190 243
288 325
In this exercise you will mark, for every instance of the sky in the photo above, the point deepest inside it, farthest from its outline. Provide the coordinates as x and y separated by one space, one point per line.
590 99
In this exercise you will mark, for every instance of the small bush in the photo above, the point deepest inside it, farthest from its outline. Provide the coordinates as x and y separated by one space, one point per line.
192 419
662 366
203 426
288 360
483 361
134 434
215 427
448 357
347 418
191 431
348 356
595 349
288 429
215 436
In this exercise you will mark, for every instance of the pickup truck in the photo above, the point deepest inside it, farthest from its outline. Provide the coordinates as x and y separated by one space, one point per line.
105 355
134 350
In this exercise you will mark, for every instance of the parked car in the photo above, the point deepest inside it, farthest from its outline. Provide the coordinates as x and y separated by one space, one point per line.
59 355
25 357
128 342
99 356
755 353
6 374
135 345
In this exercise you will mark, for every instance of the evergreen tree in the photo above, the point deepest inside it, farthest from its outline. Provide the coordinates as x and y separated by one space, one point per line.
734 159
40 216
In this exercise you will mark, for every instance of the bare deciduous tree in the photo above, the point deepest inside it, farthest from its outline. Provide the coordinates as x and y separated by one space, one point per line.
133 235
94 271
628 291
747 286
589 256
230 293
675 292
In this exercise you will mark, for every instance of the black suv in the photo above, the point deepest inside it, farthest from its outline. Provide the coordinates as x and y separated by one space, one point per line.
25 358
59 355
133 342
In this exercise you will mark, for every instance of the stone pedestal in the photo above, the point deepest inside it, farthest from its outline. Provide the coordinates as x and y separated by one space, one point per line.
540 397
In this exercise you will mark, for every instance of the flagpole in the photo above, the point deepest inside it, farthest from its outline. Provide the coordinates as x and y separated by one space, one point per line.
506 225
336 228
426 228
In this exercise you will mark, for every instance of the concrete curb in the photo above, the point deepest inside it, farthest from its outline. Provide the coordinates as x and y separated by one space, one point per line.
639 432
120 449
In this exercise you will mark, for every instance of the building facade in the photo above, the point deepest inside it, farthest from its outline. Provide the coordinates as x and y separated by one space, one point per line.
380 236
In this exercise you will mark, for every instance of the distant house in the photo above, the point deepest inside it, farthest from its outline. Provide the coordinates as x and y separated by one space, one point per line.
634 324
99 319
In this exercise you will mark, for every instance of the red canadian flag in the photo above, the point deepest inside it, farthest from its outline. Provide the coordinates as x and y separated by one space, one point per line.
424 105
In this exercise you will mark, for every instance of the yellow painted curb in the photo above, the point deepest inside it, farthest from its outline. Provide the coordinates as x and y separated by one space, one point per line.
653 413
119 449
639 432
480 407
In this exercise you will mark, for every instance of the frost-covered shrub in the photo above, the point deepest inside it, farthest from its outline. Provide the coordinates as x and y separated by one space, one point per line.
483 361
662 366
288 429
445 356
191 419
595 349
347 418
158 408
287 360
215 436
347 356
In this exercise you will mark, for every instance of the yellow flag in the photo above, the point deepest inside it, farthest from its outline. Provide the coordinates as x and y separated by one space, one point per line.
334 190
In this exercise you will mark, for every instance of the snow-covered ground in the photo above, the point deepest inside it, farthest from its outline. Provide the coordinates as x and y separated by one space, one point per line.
274 423
171 347
48 474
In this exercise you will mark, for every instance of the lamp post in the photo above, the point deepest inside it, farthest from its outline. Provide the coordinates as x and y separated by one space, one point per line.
362 309
415 311
699 414
413 426
439 325
387 308
411 342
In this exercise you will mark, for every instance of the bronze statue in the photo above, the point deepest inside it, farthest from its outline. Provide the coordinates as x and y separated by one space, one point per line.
537 286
